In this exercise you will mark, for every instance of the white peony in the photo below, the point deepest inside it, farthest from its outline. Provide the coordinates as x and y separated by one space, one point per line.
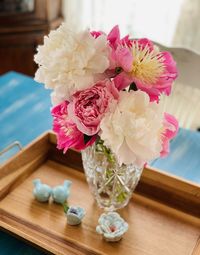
133 130
70 60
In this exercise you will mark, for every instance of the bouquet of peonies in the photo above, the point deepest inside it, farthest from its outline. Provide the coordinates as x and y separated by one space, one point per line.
107 89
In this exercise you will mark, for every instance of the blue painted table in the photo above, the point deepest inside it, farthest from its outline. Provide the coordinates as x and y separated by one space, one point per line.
25 114
184 159
24 107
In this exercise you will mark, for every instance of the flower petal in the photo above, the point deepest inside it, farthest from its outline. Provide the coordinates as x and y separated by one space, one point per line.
114 36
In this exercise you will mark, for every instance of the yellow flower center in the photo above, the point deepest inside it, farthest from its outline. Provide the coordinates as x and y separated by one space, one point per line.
147 65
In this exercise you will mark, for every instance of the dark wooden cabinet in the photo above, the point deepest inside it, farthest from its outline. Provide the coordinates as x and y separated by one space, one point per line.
21 31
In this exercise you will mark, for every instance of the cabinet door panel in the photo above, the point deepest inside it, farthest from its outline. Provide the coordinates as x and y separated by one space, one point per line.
17 51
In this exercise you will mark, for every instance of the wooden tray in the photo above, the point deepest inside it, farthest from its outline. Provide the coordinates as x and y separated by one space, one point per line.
163 216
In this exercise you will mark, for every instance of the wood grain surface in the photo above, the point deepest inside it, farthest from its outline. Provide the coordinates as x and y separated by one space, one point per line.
157 225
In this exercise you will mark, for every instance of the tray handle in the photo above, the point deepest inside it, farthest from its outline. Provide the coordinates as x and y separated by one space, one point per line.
10 146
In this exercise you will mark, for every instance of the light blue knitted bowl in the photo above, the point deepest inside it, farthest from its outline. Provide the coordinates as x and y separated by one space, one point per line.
75 215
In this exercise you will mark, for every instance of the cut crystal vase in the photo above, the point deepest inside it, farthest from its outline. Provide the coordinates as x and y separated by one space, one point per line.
112 185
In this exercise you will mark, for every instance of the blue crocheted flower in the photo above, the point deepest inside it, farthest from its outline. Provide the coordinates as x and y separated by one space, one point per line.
111 226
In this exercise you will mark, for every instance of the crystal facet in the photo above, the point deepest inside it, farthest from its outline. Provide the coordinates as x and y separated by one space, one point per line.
111 184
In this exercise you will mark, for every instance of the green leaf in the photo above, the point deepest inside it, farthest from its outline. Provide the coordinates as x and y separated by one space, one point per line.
121 197
133 87
109 173
87 138
65 207
98 140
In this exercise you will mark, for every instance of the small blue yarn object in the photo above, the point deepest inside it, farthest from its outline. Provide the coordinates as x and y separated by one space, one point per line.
60 193
41 191
75 215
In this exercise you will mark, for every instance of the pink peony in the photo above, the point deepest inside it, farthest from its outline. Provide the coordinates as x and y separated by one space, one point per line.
114 38
171 129
89 106
144 42
151 70
120 55
68 136
96 34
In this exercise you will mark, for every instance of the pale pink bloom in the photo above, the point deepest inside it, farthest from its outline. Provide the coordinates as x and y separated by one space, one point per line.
88 106
151 70
68 136
171 129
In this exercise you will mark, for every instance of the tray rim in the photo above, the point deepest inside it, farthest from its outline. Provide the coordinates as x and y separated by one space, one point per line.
150 175
51 137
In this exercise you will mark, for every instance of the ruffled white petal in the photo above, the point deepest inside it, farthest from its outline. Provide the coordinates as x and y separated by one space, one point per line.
70 61
132 130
